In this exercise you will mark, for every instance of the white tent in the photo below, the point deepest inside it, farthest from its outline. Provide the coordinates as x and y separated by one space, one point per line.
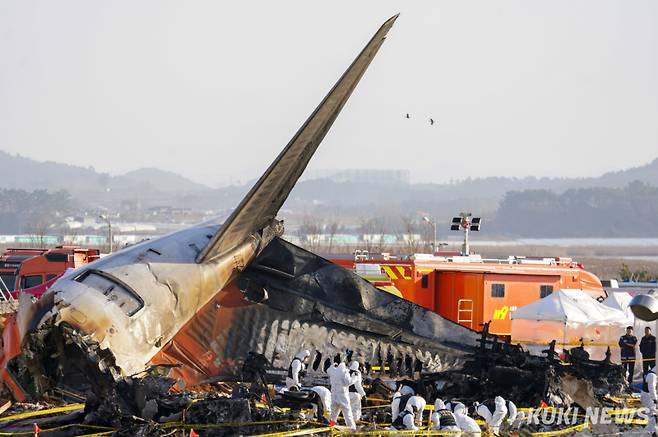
568 316
619 300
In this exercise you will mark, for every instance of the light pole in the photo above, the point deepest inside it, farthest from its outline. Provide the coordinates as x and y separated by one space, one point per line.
109 229
467 223
433 224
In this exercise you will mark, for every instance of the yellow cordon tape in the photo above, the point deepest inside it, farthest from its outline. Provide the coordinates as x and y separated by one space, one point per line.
98 434
169 425
105 429
43 412
298 432
401 432
564 431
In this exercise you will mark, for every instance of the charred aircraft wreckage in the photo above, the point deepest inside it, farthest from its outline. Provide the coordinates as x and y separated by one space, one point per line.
201 298
195 306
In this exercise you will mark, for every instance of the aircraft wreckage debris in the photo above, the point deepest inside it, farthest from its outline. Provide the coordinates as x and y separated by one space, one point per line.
195 330
154 405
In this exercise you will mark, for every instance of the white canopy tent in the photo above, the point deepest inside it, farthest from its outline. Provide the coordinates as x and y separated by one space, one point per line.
619 300
568 316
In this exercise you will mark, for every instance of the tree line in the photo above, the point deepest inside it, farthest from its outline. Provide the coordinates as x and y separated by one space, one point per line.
35 212
631 211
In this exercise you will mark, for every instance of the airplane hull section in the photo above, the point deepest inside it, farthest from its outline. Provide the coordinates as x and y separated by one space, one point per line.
290 299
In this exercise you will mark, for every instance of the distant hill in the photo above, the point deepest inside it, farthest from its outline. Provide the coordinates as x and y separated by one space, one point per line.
581 212
647 173
151 186
161 180
148 185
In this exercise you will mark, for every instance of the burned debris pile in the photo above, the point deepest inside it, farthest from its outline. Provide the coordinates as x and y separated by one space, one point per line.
504 368
154 405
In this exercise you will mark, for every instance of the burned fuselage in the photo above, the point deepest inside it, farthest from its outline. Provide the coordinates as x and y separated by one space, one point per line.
286 300
289 299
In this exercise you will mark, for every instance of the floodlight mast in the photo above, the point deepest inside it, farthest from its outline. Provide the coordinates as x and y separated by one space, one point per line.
466 222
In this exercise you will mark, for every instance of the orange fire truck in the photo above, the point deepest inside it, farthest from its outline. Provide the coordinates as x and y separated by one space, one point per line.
22 269
471 290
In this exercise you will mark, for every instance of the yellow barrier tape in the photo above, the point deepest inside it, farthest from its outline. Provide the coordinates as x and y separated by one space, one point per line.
170 425
106 429
379 400
402 432
98 434
298 432
562 431
43 412
568 343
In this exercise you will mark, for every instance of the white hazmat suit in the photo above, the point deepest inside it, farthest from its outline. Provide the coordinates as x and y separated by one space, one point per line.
443 419
405 421
416 404
649 400
495 420
412 413
403 390
650 405
651 380
325 397
297 366
513 414
356 390
340 380
467 424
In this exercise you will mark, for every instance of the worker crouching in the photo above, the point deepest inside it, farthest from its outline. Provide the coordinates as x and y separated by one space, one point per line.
443 419
296 370
411 413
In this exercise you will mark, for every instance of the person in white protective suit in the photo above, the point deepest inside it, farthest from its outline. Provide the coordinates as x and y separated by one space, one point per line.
513 414
651 380
443 419
325 397
467 424
340 380
411 414
403 391
650 406
356 390
495 420
296 369
650 400
417 403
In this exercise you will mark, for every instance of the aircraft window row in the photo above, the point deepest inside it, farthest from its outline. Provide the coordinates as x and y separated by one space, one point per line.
116 292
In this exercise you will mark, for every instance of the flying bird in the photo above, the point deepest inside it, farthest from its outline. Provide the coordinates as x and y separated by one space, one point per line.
431 122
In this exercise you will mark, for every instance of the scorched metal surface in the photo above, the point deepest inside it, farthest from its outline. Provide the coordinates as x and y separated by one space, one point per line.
290 299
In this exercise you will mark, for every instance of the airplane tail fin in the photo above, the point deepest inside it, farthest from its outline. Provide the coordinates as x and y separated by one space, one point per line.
261 205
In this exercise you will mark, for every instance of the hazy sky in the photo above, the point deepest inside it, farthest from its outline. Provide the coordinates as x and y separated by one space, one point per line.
213 90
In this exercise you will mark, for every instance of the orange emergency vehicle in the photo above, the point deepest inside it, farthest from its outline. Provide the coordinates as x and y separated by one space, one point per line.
22 269
471 290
